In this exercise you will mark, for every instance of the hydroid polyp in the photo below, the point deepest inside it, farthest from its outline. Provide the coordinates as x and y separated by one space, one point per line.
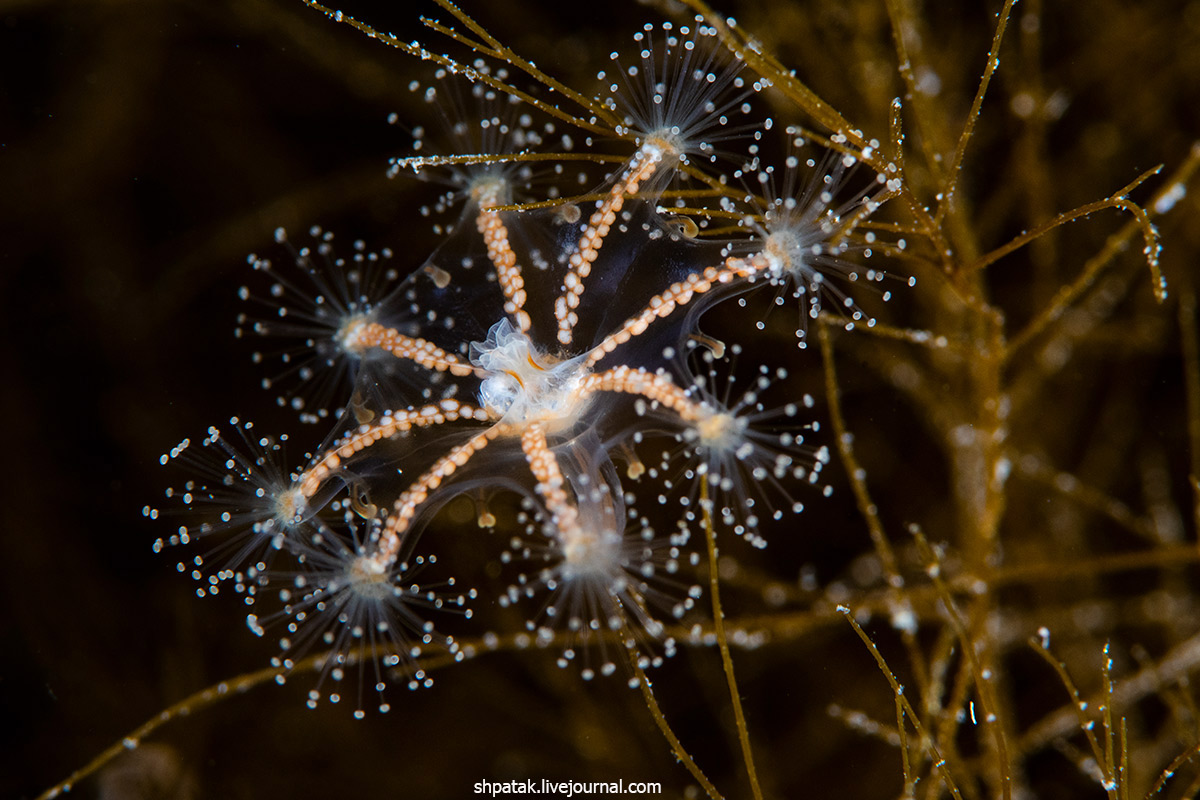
312 311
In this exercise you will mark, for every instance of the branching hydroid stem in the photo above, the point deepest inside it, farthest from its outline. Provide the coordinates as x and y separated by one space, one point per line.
898 691
983 684
211 695
496 49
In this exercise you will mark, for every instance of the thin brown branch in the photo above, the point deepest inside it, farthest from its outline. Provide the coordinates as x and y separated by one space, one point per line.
714 588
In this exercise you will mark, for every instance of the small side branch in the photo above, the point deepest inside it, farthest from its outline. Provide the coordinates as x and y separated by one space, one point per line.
455 67
1161 202
1117 200
714 587
939 761
643 683
993 61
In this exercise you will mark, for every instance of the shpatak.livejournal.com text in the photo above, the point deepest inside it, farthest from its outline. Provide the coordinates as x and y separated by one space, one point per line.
565 788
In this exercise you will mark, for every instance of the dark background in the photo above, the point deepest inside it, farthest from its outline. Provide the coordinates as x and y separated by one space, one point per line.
147 147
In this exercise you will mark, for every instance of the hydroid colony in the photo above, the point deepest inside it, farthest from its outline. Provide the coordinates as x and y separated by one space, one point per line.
547 363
